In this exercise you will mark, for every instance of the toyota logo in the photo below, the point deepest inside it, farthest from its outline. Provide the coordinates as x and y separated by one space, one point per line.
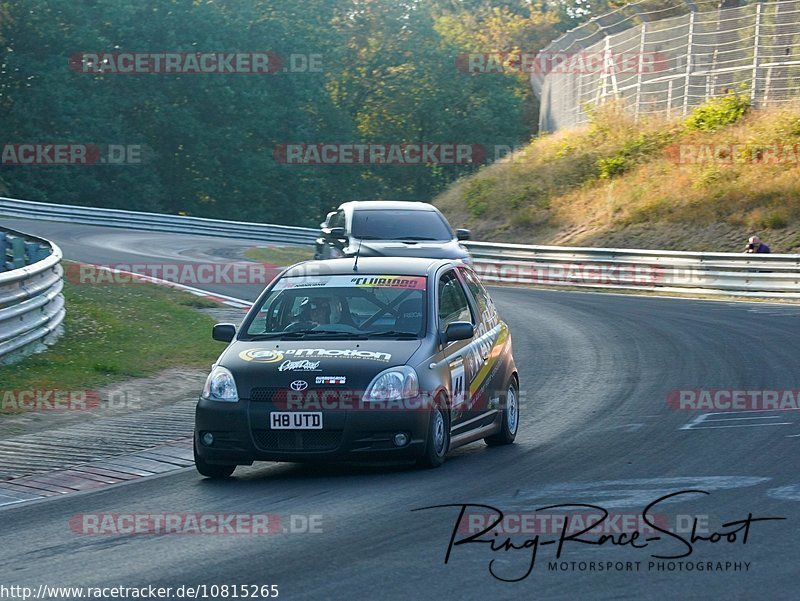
299 385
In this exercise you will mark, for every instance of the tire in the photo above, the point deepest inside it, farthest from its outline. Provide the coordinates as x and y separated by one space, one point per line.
437 442
510 420
212 470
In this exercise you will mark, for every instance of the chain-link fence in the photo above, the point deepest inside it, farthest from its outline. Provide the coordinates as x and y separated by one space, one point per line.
670 59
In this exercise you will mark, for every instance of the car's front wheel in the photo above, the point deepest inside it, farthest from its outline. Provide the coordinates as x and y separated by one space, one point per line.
438 440
212 470
510 420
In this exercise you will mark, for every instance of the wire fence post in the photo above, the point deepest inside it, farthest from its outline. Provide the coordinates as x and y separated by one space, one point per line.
767 84
756 41
689 51
704 54
606 69
642 39
669 99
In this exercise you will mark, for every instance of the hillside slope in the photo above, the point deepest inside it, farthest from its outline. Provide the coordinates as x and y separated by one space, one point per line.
703 183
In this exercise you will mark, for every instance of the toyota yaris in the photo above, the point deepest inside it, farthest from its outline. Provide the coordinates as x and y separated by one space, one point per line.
400 359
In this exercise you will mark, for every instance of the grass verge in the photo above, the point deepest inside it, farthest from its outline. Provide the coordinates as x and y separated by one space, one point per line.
280 255
703 183
115 332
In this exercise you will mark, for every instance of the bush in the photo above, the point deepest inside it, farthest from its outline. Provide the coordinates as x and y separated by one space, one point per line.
611 166
476 195
718 112
631 153
776 221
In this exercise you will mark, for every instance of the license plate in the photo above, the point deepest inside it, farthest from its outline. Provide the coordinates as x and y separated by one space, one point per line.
295 420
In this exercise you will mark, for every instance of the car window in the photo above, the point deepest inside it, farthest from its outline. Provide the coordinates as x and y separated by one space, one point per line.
337 220
323 306
400 224
453 304
486 309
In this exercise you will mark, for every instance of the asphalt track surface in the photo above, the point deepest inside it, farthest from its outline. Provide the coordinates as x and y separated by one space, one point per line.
596 428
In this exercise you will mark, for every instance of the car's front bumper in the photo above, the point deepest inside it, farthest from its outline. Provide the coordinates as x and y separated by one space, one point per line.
242 434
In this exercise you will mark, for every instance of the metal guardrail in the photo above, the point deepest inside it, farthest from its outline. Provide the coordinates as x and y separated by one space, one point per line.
736 274
157 222
31 303
739 274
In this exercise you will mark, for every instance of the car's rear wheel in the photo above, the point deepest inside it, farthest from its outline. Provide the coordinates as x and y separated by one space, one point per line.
510 420
438 440
212 470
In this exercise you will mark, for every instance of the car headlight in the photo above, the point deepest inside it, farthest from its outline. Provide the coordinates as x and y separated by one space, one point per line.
393 384
220 386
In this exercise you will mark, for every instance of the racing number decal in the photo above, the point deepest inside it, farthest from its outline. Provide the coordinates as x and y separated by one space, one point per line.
458 382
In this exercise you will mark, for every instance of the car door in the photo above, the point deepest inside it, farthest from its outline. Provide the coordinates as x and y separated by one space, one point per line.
452 304
487 355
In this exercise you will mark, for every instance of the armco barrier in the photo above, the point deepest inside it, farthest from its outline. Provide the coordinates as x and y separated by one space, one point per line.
738 274
156 222
31 303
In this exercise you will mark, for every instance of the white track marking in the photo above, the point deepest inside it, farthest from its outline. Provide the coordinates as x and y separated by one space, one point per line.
698 423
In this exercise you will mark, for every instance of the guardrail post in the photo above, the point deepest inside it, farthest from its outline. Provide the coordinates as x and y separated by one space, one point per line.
17 252
35 252
3 251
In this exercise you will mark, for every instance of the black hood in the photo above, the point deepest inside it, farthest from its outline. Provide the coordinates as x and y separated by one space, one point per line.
395 248
276 364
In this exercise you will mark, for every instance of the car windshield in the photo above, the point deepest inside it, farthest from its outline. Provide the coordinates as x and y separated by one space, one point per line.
340 306
399 224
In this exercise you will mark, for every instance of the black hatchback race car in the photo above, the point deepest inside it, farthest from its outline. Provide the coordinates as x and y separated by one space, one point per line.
400 359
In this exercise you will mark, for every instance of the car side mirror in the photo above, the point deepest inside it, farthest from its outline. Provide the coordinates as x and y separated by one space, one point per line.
462 234
325 223
224 332
458 330
337 232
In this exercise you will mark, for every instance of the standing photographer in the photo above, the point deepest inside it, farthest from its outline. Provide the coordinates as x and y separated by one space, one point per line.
755 245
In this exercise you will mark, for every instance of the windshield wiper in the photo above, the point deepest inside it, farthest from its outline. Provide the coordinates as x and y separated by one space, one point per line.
393 334
325 333
264 336
419 238
304 333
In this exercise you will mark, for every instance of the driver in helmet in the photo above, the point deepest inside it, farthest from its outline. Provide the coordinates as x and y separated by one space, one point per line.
316 310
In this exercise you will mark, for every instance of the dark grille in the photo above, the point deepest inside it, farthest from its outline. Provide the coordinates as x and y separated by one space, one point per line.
312 399
263 394
297 440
